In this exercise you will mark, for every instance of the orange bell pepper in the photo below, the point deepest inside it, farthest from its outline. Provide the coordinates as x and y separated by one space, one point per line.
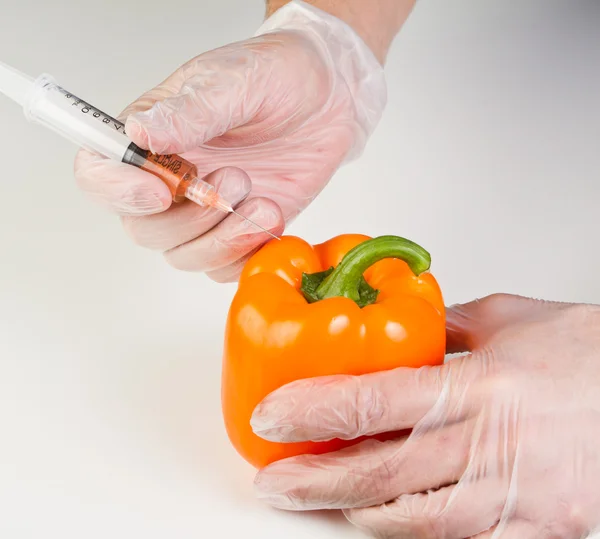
352 305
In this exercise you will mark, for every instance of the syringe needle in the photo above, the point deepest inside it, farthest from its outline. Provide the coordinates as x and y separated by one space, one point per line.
204 194
256 225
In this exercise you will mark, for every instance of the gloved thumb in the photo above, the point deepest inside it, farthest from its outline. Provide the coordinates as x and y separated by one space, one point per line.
206 98
471 325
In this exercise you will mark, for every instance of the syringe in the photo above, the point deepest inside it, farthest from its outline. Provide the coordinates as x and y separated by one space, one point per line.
46 103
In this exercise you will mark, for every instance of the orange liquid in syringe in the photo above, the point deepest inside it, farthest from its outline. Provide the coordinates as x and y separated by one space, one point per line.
175 171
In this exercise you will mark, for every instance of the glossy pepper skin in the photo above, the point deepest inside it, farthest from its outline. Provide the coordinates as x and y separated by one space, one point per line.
276 334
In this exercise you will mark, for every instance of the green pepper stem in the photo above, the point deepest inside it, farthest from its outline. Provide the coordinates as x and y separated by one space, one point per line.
345 280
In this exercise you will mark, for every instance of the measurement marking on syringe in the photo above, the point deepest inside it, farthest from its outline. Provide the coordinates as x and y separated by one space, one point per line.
96 113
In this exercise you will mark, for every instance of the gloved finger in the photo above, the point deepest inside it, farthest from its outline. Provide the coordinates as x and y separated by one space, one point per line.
231 239
187 220
471 325
346 407
452 512
215 95
121 188
368 473
515 529
232 272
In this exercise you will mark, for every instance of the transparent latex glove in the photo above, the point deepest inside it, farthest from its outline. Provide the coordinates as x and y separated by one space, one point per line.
274 116
505 439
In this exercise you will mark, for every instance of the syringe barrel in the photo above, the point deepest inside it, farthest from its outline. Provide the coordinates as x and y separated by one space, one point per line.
175 171
54 107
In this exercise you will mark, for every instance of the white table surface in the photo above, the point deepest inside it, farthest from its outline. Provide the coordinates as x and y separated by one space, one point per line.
110 421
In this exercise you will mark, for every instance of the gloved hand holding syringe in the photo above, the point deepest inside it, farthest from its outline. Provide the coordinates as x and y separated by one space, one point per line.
46 103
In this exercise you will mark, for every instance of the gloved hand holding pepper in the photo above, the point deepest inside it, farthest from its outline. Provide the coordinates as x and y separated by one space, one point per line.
274 116
504 443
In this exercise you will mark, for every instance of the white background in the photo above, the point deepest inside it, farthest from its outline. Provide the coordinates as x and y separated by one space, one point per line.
110 421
